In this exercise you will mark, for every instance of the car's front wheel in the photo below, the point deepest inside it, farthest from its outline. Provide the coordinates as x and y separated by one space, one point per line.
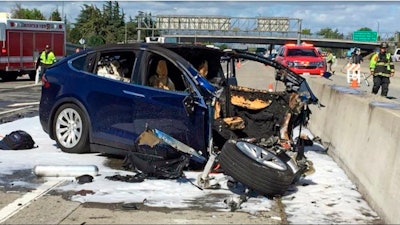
258 168
71 129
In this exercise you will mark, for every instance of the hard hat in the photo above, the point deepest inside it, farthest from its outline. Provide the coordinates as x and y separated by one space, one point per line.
384 45
47 46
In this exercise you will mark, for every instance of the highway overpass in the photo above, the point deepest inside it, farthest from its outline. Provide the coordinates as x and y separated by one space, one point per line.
241 30
324 43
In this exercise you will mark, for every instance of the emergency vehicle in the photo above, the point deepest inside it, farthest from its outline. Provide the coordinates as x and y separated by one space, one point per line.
23 40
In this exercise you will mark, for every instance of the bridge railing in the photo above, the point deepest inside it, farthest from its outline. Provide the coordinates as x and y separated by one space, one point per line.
234 26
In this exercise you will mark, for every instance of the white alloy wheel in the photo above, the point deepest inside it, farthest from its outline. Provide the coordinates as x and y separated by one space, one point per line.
68 128
261 155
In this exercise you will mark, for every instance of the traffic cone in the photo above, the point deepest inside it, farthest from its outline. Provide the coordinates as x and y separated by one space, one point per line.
354 83
270 87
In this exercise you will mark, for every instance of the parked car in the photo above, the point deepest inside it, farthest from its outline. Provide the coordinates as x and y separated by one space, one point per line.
101 100
302 59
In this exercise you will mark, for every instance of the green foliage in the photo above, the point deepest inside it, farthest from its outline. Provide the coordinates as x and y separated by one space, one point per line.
20 13
99 26
306 32
365 28
329 33
55 16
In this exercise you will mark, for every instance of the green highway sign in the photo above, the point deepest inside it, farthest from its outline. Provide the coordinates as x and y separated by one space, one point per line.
365 36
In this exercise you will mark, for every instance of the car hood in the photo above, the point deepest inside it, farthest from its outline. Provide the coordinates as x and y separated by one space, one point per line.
305 58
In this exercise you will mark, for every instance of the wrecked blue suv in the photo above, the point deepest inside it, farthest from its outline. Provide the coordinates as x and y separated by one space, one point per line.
103 99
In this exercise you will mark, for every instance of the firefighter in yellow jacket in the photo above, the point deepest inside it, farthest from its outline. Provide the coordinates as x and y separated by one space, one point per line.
382 68
46 59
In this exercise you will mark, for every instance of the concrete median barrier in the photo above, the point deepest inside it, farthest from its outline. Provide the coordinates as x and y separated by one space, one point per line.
363 131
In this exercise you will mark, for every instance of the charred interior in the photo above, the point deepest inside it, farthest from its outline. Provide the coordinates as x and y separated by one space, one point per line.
252 113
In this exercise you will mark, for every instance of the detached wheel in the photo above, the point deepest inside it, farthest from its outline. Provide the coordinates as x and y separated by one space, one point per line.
257 168
71 129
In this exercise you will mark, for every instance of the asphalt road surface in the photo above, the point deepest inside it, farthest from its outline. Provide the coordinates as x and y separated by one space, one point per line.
20 99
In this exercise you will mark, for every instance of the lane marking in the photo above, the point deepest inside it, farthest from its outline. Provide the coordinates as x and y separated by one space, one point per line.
14 110
23 104
28 85
20 203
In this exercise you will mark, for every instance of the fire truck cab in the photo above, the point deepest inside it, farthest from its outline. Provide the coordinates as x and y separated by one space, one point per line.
22 41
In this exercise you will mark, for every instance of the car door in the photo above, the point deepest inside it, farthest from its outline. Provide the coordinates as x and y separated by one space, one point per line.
165 110
110 108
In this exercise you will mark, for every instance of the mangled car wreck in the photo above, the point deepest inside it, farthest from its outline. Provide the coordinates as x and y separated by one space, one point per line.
198 123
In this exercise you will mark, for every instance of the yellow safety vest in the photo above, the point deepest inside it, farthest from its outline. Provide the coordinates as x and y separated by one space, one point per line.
48 58
381 67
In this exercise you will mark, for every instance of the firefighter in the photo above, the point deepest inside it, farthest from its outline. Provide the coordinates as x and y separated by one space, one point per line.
46 59
382 68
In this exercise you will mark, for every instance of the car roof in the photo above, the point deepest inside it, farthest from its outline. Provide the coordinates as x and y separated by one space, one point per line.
149 46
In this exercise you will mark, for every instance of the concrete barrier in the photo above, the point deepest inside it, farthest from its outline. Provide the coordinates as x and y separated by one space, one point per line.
364 132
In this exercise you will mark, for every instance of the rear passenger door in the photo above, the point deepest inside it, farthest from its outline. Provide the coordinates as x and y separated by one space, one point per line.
110 107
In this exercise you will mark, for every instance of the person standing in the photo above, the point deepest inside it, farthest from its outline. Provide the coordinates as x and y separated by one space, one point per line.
330 59
357 57
45 60
382 68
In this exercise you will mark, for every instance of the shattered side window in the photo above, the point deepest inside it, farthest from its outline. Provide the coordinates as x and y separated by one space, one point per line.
116 65
84 63
248 71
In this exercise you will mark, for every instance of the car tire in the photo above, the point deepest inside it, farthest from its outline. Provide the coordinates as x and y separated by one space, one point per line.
266 177
71 129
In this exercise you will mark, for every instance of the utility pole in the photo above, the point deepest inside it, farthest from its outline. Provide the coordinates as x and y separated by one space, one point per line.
139 25
299 33
126 34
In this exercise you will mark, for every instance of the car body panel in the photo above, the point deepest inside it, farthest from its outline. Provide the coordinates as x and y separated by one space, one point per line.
118 111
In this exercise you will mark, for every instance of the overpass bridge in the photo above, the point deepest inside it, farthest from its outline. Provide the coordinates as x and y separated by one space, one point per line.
321 42
240 30
246 30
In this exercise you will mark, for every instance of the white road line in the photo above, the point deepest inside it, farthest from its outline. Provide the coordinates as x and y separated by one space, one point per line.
20 203
28 85
23 104
13 110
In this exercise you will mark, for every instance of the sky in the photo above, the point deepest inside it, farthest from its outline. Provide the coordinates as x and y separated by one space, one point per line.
345 16
324 197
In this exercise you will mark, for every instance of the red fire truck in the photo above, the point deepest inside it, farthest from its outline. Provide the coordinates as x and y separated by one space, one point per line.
23 40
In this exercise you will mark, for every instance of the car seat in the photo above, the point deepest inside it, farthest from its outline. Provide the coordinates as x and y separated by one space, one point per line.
162 68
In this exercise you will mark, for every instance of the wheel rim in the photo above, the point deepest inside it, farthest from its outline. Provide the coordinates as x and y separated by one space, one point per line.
69 128
261 155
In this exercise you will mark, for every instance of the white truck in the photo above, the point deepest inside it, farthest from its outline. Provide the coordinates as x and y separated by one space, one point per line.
396 55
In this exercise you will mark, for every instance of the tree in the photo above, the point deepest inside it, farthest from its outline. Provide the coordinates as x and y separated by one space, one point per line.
114 31
20 13
365 29
329 33
55 16
306 32
99 27
89 23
